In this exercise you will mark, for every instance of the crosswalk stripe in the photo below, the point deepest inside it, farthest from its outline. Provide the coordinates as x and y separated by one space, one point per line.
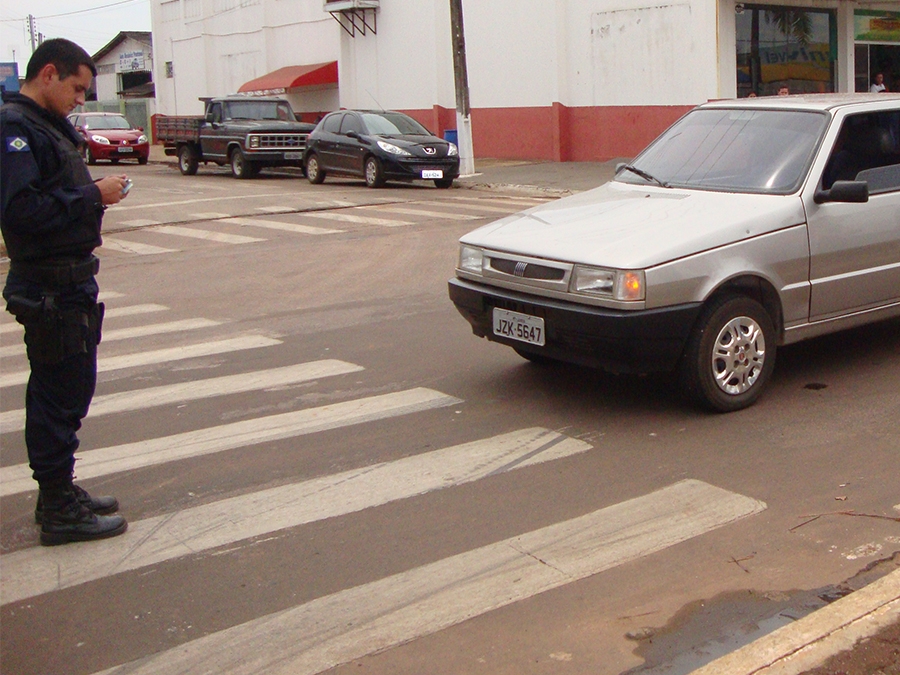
210 216
132 310
108 404
134 332
350 624
162 355
140 222
129 456
350 218
275 209
287 227
423 213
122 246
535 201
221 237
144 207
485 208
34 571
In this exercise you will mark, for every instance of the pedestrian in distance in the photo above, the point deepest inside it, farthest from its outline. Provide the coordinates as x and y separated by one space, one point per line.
50 216
878 85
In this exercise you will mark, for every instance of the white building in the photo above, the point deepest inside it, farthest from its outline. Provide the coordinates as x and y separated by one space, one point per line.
564 80
124 81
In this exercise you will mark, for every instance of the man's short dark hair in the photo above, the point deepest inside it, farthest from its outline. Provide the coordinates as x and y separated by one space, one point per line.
64 54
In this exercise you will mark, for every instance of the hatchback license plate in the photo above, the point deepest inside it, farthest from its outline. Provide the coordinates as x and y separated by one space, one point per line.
516 326
125 148
432 173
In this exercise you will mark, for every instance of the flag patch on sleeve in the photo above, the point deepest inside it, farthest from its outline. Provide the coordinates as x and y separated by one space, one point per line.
17 144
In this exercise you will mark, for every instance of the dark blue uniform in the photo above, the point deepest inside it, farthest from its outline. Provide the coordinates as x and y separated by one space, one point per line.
50 216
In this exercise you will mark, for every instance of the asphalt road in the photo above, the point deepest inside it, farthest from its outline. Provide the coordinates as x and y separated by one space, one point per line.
323 470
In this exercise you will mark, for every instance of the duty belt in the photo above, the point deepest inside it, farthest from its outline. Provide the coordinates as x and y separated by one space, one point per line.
58 274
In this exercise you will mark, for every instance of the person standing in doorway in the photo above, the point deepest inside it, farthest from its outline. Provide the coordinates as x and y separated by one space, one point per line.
50 217
878 84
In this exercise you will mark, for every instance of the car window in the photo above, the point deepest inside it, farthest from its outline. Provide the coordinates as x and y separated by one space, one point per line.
101 122
867 148
75 120
764 151
351 123
393 124
332 123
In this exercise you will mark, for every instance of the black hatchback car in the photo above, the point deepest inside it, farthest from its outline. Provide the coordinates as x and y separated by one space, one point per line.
378 146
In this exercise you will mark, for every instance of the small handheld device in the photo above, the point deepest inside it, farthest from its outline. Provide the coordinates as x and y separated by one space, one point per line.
127 187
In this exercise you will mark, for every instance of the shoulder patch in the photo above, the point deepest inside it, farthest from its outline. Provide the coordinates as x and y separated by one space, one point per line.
17 144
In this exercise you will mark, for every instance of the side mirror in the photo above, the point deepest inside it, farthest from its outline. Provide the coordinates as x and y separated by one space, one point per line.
353 134
846 191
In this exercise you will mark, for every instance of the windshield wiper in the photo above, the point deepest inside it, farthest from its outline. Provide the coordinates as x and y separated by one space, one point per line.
646 176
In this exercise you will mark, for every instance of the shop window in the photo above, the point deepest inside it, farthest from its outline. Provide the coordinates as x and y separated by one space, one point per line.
785 47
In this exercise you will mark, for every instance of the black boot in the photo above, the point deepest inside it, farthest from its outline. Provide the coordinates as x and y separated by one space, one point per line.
98 505
65 518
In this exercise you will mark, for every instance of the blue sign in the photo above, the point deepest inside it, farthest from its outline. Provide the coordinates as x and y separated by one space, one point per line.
9 76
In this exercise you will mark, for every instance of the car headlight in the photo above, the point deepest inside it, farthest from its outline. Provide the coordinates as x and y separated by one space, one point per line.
253 141
142 139
102 140
393 149
470 259
625 285
452 150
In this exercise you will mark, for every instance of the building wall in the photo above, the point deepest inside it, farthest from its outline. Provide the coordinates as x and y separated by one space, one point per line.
108 68
215 46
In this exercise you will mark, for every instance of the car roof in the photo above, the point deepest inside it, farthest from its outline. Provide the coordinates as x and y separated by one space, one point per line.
811 102
98 114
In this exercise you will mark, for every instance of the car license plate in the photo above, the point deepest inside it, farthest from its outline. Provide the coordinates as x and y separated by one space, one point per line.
293 155
126 148
516 326
432 173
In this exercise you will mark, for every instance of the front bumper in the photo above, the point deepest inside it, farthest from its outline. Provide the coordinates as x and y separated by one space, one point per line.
619 341
410 168
112 151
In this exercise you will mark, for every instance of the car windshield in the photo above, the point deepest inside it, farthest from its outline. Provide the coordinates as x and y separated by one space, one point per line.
765 151
260 110
393 124
106 122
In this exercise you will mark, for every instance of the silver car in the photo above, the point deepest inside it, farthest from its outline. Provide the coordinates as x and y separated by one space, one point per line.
747 225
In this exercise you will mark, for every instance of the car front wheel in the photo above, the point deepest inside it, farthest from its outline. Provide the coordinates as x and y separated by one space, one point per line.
240 167
314 172
374 173
730 355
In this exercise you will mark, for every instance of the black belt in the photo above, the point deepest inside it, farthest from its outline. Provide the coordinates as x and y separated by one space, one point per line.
56 275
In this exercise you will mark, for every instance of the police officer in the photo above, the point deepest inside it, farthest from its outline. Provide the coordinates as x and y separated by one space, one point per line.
50 214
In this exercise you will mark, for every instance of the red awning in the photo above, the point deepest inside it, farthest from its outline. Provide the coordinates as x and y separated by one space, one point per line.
291 77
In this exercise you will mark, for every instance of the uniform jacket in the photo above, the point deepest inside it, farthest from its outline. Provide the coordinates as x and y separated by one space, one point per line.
50 208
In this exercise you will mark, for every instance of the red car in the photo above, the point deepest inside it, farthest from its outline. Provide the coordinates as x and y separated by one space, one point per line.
110 136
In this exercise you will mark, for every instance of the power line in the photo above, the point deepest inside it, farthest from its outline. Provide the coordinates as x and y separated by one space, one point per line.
77 11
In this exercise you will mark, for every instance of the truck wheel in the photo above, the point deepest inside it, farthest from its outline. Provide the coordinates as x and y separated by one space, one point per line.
730 354
240 167
374 173
187 160
314 172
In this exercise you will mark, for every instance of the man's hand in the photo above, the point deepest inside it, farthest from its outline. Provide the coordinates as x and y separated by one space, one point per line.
111 189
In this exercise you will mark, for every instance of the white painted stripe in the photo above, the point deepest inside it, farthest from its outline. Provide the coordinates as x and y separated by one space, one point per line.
118 207
132 310
532 201
107 295
356 622
350 218
488 209
108 404
33 572
210 216
221 237
134 332
287 227
140 222
423 213
275 209
122 246
162 356
155 451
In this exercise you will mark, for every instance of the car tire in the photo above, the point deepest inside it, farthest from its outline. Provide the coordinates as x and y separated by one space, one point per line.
537 359
374 173
730 354
142 160
314 173
88 155
114 160
240 167
187 160
443 183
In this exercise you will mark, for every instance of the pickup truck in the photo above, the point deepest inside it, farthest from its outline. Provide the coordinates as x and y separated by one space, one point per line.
245 133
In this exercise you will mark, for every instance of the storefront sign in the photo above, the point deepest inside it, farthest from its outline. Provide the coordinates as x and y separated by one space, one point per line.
875 26
131 61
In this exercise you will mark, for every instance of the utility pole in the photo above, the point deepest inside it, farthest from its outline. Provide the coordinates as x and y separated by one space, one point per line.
461 79
31 31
